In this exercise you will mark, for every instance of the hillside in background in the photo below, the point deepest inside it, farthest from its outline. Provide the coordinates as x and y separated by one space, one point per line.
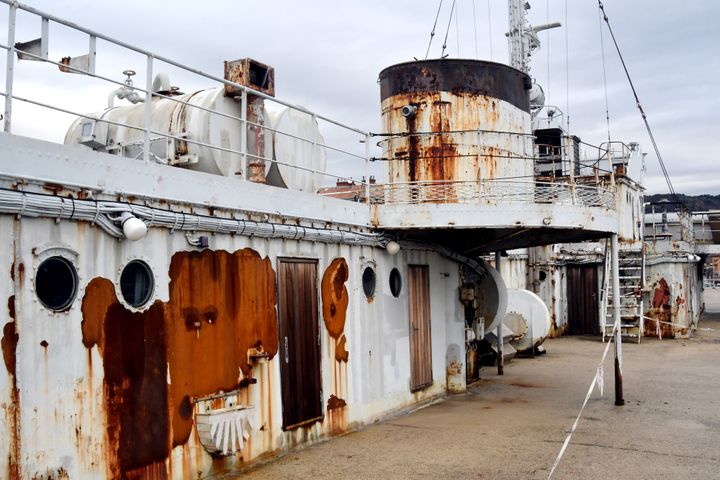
695 203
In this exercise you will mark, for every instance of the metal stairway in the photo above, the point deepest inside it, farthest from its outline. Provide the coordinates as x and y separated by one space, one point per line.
632 272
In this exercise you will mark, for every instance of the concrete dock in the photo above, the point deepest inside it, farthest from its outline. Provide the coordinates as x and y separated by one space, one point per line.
512 427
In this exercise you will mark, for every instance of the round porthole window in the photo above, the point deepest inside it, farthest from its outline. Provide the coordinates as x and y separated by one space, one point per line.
56 283
368 281
136 283
395 282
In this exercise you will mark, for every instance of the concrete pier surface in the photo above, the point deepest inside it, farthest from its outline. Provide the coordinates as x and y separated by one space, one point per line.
512 427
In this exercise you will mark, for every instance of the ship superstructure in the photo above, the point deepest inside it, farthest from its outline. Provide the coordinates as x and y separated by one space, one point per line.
182 301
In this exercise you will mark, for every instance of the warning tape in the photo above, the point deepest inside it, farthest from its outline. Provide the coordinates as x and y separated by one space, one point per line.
597 380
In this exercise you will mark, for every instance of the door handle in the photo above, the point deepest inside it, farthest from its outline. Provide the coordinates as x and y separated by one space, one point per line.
287 354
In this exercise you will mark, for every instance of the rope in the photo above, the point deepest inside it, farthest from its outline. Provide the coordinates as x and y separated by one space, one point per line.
432 33
639 105
597 380
452 10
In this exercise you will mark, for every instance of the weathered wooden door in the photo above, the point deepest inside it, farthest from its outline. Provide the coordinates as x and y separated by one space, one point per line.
299 342
583 298
420 344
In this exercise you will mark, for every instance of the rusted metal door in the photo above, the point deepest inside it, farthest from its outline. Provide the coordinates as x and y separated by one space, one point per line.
420 345
299 342
582 288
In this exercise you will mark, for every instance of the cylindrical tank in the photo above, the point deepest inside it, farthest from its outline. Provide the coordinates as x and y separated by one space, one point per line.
528 317
456 120
194 124
291 152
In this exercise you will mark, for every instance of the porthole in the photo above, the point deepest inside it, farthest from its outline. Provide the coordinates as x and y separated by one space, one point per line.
56 283
368 281
395 282
136 283
542 275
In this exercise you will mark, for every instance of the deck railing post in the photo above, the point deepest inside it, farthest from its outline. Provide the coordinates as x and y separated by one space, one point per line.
367 168
148 107
10 67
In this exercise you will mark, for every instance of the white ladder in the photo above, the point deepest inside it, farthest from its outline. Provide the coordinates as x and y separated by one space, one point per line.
632 273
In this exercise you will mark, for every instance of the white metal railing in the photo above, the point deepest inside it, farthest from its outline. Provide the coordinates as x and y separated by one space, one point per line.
88 68
492 191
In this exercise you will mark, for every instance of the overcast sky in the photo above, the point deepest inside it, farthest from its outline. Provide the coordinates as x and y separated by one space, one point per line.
327 56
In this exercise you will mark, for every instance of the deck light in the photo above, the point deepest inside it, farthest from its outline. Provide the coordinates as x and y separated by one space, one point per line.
133 228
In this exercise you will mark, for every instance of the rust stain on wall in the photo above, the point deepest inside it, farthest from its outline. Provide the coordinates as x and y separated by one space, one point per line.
334 403
337 414
99 295
9 346
341 354
11 306
221 305
135 385
661 310
335 297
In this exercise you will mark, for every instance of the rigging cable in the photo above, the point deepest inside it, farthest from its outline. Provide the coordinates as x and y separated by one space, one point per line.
432 33
477 56
457 30
639 106
490 29
452 10
567 68
607 107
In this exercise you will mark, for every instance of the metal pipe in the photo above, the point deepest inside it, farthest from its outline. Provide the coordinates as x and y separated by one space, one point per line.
619 400
500 359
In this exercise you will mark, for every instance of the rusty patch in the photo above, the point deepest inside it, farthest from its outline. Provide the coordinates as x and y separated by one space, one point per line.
99 295
11 306
335 297
231 297
9 346
44 344
341 353
661 310
334 403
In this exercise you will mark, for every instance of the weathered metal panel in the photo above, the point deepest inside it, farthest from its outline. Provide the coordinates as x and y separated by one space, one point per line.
69 394
673 295
419 322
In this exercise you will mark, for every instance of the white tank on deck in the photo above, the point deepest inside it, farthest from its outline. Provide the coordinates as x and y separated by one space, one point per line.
193 122
492 298
296 160
528 317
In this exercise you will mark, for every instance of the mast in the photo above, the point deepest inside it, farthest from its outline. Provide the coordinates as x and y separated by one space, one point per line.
522 37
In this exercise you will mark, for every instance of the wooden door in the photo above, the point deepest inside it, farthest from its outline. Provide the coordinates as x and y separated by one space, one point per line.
420 344
299 342
582 292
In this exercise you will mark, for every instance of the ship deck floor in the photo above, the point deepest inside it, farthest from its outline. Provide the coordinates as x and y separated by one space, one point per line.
513 426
